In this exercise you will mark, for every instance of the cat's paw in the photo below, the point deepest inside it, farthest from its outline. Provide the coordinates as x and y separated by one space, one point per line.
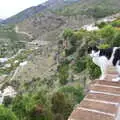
116 79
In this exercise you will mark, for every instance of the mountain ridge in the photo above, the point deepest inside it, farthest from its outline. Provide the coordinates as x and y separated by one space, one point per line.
29 12
1 20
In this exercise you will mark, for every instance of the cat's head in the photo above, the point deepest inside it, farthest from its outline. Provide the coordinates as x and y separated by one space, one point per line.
93 51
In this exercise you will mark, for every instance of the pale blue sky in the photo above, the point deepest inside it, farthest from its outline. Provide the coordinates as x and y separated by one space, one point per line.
12 7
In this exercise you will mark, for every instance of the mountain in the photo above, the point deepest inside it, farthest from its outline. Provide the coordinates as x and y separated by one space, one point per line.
1 20
50 4
24 14
94 8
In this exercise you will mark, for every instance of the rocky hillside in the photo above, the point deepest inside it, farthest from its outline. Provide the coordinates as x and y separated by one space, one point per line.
94 8
49 26
50 4
46 22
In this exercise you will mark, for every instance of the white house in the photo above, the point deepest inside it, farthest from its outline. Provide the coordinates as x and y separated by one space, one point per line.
3 60
90 27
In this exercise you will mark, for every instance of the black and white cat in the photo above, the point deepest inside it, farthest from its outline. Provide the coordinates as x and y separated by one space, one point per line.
104 58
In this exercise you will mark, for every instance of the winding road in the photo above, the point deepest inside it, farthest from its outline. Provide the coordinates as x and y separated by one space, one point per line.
22 32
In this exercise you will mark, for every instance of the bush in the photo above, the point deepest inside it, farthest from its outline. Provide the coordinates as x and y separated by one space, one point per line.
61 106
58 116
6 114
94 70
21 106
116 23
63 73
104 46
116 41
108 34
76 93
70 51
35 106
7 101
67 34
40 113
80 64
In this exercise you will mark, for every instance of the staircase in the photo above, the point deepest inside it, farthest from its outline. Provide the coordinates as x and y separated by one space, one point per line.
102 101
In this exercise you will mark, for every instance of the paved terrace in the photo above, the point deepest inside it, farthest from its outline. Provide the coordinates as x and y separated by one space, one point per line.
102 101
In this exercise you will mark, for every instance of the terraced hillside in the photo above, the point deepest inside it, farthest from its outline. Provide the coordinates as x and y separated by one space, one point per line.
10 41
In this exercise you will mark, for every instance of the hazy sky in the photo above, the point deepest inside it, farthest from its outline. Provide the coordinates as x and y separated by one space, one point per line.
11 7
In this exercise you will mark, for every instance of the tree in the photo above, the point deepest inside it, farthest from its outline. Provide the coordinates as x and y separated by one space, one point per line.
67 34
108 34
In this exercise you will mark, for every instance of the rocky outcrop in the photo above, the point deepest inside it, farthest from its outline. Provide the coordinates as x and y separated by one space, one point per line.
8 91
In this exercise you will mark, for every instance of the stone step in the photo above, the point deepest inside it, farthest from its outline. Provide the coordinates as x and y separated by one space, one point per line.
102 101
82 114
111 76
110 90
103 107
108 83
103 97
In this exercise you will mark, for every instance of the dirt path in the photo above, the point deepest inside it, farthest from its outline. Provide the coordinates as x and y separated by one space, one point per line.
22 32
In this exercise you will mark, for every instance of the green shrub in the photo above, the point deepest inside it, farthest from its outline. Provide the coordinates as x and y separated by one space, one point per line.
6 114
116 41
22 105
104 46
80 64
61 106
40 113
63 73
67 34
7 101
107 33
70 51
76 93
101 25
116 23
58 116
94 70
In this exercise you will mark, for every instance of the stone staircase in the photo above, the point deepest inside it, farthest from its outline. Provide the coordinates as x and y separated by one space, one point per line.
102 101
